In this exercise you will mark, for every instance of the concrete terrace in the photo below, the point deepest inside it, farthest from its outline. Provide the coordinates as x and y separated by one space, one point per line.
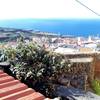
11 89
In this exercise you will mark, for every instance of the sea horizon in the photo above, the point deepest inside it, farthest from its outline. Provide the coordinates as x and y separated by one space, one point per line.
74 27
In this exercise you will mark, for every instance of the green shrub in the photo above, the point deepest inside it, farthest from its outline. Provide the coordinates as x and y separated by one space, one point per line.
96 86
33 64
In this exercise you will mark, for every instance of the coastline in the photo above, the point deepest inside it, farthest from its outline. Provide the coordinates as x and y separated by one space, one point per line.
74 27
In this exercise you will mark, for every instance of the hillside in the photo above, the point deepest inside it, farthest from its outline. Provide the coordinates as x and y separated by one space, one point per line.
9 34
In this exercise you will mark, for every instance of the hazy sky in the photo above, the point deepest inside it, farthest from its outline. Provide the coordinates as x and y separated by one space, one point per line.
47 9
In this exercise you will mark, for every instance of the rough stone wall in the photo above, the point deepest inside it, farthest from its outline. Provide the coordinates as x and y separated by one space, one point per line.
96 62
78 76
81 74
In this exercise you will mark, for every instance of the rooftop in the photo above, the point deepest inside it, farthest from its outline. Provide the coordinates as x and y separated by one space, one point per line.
11 89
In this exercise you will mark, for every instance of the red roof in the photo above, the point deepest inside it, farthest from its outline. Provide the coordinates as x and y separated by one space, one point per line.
11 89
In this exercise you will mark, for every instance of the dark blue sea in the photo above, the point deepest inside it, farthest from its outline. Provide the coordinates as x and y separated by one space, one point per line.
75 27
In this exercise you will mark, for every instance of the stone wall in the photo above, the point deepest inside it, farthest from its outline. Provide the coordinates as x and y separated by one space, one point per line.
78 76
81 74
96 62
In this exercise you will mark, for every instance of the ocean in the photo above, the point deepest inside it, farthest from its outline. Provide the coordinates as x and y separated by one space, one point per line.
74 27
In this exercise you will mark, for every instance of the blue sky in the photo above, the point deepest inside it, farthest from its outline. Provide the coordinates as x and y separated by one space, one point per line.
14 9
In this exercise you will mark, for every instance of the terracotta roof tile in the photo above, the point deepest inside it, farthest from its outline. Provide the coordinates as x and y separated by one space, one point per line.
11 89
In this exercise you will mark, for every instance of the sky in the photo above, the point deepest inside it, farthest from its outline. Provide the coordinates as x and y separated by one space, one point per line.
15 9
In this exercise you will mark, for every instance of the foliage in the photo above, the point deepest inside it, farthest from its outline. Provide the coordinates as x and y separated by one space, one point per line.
96 86
32 63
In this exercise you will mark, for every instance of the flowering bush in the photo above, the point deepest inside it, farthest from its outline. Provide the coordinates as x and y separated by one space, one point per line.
36 66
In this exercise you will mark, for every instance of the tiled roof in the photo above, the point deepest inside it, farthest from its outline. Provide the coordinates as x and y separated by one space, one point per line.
11 89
